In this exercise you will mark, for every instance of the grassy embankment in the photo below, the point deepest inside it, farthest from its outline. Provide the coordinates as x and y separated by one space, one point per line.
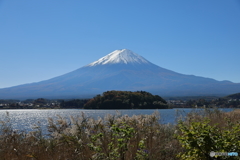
125 138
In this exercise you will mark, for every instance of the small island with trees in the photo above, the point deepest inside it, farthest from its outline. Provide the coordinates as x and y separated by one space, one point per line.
126 100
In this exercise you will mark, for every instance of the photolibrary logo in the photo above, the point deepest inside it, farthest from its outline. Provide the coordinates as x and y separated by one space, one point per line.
212 154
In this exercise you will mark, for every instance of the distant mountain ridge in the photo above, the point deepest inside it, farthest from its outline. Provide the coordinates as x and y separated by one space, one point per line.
121 70
233 96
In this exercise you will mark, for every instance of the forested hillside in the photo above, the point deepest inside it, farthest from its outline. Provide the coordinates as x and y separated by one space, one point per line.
126 100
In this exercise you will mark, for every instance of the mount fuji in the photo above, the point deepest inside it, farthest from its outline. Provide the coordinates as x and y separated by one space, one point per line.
120 70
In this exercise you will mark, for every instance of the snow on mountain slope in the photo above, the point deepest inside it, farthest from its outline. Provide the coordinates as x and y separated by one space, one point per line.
120 56
120 70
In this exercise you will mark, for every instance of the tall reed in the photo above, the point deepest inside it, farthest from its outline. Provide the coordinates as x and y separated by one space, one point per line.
114 137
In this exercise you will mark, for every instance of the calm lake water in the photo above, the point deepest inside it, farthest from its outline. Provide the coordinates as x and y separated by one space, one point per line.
25 119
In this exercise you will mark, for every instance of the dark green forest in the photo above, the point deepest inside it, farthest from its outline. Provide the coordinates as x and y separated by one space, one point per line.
126 100
75 103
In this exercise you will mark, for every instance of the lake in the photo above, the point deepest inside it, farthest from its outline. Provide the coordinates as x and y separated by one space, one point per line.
25 119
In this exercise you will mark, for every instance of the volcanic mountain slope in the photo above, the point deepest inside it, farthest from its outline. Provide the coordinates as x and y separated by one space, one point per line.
121 70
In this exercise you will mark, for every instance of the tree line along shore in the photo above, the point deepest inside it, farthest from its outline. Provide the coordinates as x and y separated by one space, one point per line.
125 100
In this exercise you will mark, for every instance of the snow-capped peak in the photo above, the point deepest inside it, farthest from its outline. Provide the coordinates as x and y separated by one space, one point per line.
120 56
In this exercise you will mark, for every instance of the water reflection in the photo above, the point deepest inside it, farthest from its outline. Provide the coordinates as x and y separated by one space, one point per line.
25 119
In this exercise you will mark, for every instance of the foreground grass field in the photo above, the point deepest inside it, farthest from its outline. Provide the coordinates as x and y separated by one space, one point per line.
120 137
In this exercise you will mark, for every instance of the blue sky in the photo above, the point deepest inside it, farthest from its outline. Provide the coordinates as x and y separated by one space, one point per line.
43 39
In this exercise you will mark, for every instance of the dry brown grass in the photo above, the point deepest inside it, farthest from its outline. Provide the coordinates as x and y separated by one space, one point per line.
219 118
70 140
74 139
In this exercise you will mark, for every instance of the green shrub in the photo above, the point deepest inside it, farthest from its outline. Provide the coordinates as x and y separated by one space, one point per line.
200 138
